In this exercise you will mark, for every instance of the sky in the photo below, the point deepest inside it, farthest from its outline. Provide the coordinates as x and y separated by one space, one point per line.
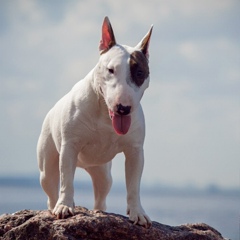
192 106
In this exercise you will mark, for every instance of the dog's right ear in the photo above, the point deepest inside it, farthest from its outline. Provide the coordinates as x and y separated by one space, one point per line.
108 39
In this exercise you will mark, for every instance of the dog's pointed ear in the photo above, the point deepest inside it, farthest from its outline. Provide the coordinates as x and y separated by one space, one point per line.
108 39
144 43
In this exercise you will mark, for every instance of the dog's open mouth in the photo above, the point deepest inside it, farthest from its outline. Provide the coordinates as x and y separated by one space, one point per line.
120 123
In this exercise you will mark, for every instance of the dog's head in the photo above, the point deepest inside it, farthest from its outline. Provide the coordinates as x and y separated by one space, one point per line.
122 75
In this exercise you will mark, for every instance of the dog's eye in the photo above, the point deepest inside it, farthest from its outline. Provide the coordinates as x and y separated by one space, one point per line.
110 70
140 73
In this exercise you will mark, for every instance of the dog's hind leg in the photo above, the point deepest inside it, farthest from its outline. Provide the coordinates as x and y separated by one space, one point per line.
102 182
48 161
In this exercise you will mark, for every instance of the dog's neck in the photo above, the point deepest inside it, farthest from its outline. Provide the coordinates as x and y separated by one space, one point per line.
95 96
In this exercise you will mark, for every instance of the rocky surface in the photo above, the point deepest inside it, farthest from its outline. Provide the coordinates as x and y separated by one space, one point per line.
29 224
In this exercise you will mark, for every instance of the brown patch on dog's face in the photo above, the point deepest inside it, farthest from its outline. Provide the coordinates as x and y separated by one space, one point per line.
138 68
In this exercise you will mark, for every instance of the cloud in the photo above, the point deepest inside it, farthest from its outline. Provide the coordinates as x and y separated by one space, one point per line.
191 52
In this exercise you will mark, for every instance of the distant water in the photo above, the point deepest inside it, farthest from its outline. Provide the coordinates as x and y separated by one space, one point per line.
219 209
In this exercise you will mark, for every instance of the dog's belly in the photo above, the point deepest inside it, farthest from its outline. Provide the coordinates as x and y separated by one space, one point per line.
95 153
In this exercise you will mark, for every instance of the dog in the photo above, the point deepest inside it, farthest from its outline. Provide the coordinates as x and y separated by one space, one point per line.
100 117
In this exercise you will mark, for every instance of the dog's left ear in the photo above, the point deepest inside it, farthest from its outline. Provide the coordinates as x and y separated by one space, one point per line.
108 39
144 43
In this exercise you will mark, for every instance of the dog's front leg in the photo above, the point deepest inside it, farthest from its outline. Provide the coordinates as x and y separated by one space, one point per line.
133 168
67 167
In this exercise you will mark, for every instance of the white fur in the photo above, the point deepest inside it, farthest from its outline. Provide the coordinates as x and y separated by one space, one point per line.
78 132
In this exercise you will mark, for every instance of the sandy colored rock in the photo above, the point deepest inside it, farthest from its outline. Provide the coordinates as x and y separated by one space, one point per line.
29 224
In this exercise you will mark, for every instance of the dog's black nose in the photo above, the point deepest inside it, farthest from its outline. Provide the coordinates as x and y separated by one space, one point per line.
123 110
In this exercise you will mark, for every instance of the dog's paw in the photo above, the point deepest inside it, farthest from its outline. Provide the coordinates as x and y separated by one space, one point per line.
138 216
62 211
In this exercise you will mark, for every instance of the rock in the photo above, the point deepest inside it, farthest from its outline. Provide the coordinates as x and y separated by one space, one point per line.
30 224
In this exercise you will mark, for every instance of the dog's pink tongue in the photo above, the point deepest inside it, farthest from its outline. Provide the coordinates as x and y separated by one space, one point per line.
121 124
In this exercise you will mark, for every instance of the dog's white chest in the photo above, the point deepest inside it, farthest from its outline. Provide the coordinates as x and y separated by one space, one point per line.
99 149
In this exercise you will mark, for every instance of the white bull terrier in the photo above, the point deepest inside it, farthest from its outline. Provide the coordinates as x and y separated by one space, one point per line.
100 117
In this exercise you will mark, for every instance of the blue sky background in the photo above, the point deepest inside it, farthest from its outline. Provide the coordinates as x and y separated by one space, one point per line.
192 106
